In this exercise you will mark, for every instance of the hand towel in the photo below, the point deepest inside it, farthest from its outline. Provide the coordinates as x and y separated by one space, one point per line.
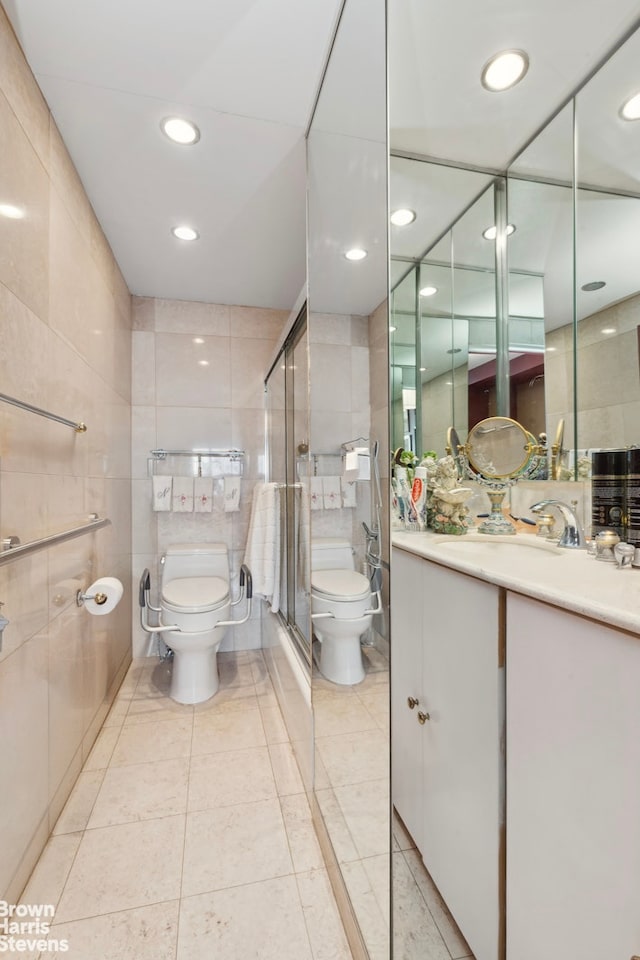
203 494
348 488
332 497
162 492
182 495
316 493
262 554
231 494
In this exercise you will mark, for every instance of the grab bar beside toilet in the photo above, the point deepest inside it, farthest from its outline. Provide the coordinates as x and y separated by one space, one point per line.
143 601
245 574
378 609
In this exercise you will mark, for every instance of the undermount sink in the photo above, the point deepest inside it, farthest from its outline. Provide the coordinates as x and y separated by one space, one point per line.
479 545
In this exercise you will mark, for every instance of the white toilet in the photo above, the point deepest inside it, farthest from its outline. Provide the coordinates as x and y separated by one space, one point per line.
195 598
342 606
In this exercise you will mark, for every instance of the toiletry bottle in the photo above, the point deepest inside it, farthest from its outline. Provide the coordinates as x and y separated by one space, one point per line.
608 479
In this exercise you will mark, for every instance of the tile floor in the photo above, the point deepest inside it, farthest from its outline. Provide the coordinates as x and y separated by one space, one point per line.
188 834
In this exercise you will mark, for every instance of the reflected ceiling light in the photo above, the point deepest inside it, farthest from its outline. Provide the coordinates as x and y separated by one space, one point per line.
428 291
594 285
504 70
392 329
198 340
203 363
10 211
630 109
402 217
180 131
423 369
608 330
356 253
185 233
551 349
491 232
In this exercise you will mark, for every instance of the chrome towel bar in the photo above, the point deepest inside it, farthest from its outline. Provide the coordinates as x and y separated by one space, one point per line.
22 549
78 427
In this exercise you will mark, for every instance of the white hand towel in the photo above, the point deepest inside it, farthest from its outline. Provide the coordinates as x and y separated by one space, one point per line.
231 494
332 496
182 495
316 493
262 555
162 492
203 494
348 492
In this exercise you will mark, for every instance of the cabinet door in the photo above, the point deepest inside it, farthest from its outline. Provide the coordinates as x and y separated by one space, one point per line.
463 684
406 681
573 786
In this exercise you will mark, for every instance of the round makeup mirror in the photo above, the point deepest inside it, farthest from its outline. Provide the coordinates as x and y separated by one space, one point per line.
498 451
499 448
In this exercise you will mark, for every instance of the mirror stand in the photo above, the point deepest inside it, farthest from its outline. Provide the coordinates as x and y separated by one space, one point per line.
496 522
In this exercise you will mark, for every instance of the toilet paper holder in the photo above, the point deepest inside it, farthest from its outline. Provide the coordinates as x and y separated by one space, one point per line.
99 598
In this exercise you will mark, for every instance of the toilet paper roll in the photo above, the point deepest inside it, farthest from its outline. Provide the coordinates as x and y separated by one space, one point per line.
109 586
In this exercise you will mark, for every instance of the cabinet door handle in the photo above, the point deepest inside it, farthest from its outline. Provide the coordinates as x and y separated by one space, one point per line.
412 702
423 717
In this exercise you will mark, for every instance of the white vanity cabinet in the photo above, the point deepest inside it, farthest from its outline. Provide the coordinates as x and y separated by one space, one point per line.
573 785
447 775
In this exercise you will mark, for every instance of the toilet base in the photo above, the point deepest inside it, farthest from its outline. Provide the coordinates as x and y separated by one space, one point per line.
194 677
341 660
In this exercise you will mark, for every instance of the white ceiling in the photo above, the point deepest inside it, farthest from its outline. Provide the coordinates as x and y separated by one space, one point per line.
247 72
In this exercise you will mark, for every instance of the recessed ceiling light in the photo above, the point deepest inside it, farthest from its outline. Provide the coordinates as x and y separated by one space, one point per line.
10 211
608 330
423 369
392 329
491 232
198 340
180 131
428 291
594 285
630 109
203 363
402 217
356 253
185 233
504 70
551 349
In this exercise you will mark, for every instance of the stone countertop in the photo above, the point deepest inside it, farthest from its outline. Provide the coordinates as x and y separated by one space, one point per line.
570 579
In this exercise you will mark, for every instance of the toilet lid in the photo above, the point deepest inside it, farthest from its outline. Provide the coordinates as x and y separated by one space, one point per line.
195 594
343 584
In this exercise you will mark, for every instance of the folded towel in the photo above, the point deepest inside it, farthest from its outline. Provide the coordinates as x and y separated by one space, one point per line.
203 494
161 492
316 493
262 554
231 494
348 488
332 497
182 495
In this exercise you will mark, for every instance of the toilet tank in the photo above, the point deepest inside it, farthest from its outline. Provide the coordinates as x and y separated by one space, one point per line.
195 560
331 553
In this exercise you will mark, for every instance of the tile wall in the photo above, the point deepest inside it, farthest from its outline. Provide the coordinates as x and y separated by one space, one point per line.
198 381
606 363
65 345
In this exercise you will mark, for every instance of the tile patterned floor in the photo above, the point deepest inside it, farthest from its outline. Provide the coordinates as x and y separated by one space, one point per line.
188 834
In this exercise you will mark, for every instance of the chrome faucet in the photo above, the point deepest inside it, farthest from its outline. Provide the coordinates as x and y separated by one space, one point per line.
572 535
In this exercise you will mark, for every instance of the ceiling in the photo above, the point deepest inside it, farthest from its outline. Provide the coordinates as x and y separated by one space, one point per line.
247 72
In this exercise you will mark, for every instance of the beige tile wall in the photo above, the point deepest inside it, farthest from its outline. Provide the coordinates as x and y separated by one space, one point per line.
65 345
379 388
179 403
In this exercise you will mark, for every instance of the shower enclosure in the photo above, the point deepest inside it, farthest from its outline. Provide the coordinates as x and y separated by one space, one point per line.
287 456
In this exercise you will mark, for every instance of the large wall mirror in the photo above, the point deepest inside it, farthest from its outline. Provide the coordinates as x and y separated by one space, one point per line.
572 211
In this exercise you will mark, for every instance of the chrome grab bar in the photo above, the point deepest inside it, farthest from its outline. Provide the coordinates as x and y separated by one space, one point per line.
20 550
144 589
378 609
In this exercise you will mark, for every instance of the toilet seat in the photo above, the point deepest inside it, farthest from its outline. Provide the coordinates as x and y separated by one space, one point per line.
195 594
342 585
